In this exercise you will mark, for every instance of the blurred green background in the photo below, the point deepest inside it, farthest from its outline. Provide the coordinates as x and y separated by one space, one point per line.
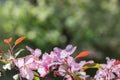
92 25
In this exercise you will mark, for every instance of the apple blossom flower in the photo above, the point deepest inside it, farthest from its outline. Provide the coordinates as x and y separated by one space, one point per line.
36 53
65 52
7 66
72 67
109 71
59 54
44 64
59 61
16 76
26 67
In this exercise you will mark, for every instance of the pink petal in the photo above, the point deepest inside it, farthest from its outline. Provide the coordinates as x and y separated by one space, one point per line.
43 71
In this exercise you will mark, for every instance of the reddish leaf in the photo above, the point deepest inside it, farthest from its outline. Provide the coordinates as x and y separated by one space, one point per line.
8 41
116 62
1 52
19 40
82 54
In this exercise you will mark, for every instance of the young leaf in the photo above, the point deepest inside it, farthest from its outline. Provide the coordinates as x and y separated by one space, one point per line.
92 65
16 54
19 40
75 77
116 62
36 78
82 54
1 52
8 41
35 73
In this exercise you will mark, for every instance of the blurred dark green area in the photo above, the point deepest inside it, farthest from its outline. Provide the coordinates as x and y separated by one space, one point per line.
92 25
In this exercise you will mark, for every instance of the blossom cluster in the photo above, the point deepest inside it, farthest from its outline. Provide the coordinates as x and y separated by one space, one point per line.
59 61
109 71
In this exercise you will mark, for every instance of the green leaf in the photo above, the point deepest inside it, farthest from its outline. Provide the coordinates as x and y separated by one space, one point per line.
36 78
36 74
93 65
75 77
16 54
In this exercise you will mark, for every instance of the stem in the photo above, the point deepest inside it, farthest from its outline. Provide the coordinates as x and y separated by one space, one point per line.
13 47
10 50
20 77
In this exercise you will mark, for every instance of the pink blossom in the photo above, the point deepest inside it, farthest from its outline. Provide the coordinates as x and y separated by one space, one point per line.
44 65
43 70
60 54
25 68
27 64
70 66
110 70
36 53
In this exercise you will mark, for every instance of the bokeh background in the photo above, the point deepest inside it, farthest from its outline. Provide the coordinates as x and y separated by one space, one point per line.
92 25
